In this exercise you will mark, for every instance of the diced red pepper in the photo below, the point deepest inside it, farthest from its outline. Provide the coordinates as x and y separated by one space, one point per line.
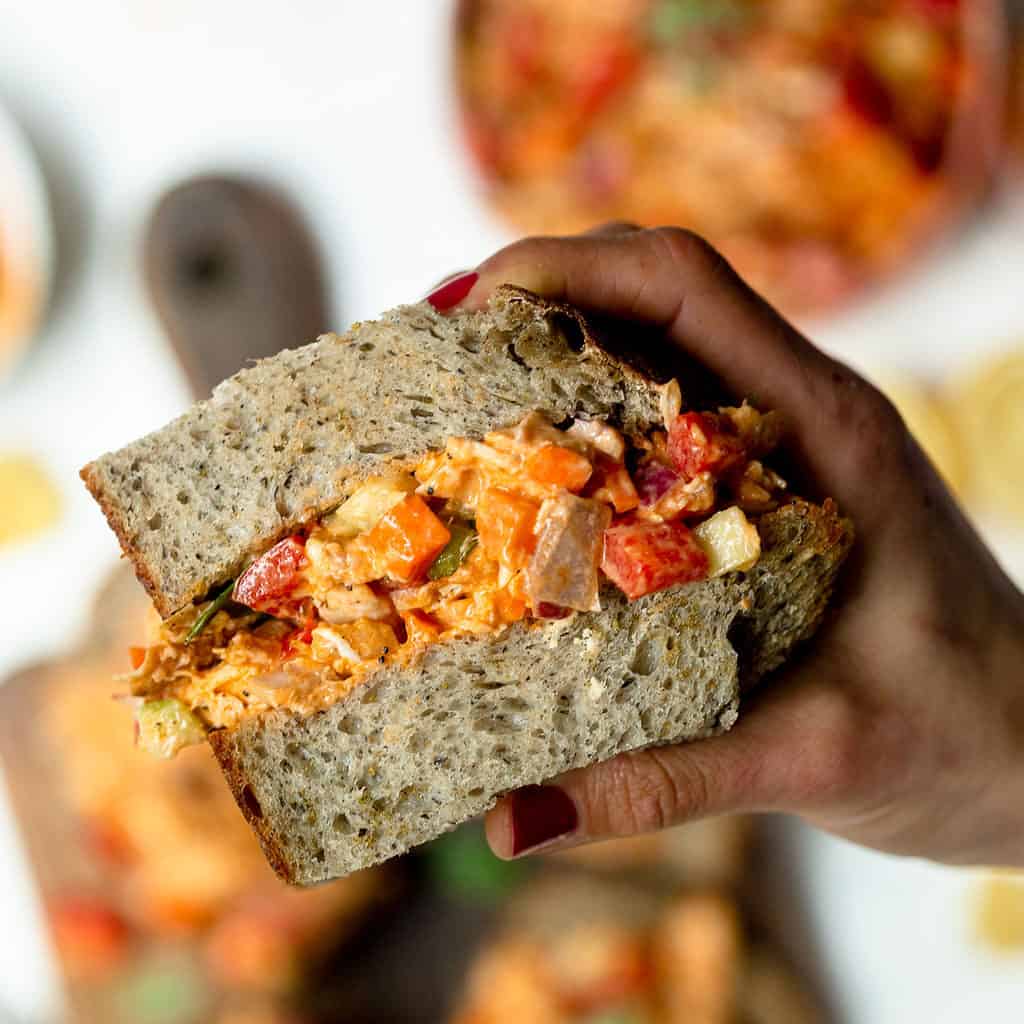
698 442
521 49
483 140
559 467
91 937
266 585
306 611
137 656
406 539
867 95
640 558
609 67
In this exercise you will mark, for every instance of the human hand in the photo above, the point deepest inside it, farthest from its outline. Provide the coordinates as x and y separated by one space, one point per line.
901 726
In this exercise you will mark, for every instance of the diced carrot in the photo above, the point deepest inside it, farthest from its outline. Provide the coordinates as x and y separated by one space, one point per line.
407 539
509 607
420 627
170 913
559 467
505 522
137 655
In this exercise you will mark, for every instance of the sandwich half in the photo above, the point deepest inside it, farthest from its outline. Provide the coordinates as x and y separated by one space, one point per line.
403 571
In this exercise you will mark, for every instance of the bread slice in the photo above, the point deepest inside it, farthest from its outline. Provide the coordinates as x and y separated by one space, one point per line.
286 440
417 749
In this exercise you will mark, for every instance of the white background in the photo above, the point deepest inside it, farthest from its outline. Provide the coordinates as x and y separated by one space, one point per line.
347 106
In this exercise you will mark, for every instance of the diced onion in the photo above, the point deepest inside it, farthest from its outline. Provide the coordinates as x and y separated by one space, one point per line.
367 505
671 402
730 541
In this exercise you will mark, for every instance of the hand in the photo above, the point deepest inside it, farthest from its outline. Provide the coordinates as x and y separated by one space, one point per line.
901 726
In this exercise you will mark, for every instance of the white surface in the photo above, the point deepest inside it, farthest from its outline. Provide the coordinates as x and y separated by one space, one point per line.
346 105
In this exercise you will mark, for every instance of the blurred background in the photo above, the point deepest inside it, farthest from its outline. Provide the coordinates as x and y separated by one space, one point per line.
185 185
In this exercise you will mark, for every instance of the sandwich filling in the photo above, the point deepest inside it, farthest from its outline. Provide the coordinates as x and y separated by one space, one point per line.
530 524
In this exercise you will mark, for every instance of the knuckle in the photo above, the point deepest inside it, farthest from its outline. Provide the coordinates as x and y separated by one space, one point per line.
866 417
688 250
614 227
514 252
840 759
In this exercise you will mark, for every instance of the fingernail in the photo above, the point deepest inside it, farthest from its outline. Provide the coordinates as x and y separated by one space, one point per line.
452 292
540 814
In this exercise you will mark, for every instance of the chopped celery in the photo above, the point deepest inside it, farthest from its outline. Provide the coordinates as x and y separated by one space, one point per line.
464 538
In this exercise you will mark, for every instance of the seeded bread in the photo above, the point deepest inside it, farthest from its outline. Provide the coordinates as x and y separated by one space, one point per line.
287 439
418 749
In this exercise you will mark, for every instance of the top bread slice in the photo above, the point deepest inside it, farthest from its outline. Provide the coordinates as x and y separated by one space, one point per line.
286 440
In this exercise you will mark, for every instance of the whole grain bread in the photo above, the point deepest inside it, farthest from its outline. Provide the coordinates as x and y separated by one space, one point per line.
418 749
289 438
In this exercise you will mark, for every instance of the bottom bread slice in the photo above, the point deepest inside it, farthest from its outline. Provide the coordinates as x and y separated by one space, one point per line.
416 751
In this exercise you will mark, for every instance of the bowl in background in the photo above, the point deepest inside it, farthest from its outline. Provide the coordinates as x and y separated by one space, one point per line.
26 244
818 143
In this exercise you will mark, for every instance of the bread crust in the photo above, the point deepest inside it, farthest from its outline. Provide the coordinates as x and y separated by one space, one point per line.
286 440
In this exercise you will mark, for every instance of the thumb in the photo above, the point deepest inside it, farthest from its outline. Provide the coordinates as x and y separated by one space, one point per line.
796 750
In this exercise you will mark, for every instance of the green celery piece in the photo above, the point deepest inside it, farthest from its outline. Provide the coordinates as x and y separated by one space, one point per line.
670 19
164 993
211 609
464 538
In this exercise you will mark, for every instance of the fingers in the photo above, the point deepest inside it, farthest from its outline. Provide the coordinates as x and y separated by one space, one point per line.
673 279
612 228
451 290
802 749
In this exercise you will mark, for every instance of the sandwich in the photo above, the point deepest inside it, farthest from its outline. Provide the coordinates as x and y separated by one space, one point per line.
574 948
403 571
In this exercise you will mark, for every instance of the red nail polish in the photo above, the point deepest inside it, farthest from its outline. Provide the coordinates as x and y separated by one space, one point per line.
539 814
452 292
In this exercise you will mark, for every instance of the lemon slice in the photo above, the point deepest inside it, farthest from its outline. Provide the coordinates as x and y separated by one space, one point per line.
930 419
999 912
31 502
989 407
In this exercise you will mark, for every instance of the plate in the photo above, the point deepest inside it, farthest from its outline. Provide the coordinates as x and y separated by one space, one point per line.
818 145
26 244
